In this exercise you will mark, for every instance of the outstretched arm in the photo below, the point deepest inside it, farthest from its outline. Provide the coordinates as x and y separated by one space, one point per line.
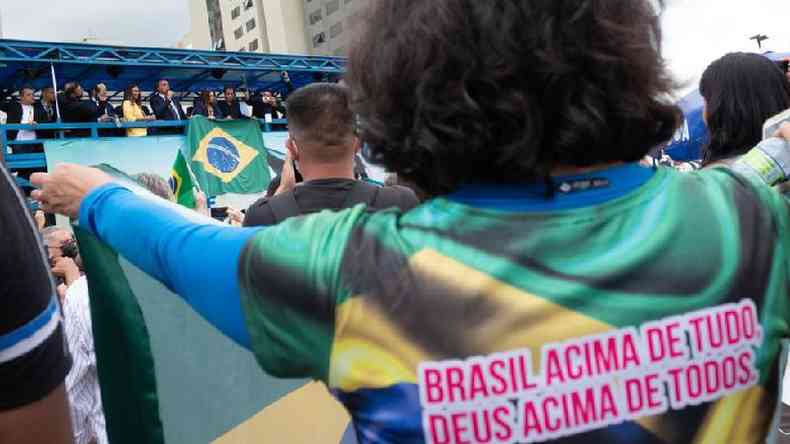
198 261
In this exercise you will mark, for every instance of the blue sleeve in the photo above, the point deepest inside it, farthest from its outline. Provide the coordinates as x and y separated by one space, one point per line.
199 262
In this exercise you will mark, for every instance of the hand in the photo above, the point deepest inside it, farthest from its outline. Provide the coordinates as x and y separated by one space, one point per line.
201 204
62 190
62 288
41 219
288 175
66 268
235 217
784 131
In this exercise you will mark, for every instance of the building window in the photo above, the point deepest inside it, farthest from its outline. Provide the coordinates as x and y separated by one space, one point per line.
248 4
319 39
336 30
238 33
332 6
250 24
235 13
254 45
315 17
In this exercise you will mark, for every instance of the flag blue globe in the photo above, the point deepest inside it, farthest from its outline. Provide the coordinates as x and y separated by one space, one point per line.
223 155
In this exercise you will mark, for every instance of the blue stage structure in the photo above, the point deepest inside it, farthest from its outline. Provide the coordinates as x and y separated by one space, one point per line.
41 64
189 71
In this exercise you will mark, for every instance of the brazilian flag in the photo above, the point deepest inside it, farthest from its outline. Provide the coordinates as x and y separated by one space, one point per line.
181 183
169 377
227 156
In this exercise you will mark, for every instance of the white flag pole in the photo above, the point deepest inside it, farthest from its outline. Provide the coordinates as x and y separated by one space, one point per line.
55 88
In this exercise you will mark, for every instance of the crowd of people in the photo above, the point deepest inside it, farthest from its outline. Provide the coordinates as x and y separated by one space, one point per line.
74 107
546 239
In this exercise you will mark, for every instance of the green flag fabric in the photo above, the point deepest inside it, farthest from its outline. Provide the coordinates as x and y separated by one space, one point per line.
227 156
181 183
169 377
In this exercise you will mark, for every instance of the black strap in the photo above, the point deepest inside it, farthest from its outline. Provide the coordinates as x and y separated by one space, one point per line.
361 192
284 206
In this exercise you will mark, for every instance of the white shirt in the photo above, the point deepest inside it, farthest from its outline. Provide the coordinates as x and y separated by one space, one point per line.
82 382
28 116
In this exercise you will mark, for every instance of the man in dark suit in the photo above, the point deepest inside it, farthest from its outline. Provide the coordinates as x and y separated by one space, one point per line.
166 107
46 108
230 106
24 111
75 110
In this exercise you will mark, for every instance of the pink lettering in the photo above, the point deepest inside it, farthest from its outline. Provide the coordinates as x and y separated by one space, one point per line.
531 421
459 429
477 383
633 396
712 382
455 384
655 344
553 368
440 430
504 430
674 335
501 387
556 424
432 385
608 406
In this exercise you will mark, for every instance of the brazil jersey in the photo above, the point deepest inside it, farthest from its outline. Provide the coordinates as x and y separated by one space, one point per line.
653 316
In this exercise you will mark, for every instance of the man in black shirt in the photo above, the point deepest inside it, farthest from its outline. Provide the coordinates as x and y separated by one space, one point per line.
230 106
33 356
322 140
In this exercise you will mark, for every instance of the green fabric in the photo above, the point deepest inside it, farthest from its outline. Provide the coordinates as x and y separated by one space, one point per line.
123 355
182 179
681 243
300 272
227 156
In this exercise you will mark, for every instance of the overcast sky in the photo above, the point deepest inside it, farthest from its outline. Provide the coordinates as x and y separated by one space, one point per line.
131 22
695 31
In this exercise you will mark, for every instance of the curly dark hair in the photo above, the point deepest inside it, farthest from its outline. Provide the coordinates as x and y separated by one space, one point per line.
741 91
458 91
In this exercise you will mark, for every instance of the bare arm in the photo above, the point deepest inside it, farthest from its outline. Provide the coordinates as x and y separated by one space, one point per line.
43 422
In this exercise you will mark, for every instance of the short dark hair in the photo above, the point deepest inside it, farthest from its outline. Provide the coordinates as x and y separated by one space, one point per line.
158 82
457 91
320 113
741 91
24 87
70 88
224 90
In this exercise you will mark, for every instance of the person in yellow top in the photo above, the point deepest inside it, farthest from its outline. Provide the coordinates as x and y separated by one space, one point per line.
133 111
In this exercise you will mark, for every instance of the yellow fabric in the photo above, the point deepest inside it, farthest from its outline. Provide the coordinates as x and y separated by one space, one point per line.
309 415
370 352
133 112
742 417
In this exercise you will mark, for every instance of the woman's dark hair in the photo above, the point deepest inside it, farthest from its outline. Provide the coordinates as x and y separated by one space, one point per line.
128 95
741 92
204 99
456 91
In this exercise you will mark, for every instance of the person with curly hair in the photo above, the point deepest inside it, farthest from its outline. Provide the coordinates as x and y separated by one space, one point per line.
552 289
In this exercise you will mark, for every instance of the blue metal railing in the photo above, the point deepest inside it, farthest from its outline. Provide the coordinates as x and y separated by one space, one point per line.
38 160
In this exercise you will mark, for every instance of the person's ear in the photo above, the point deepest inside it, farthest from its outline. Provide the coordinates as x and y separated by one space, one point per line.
357 145
292 148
